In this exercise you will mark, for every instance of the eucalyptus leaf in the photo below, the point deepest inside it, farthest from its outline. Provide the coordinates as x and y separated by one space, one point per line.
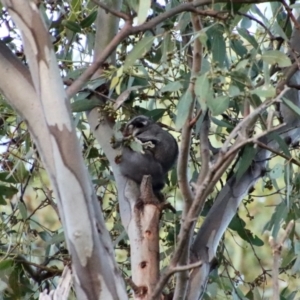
56 239
142 14
291 105
218 45
73 26
203 90
218 105
264 91
246 160
139 50
89 20
222 123
173 86
124 96
136 146
8 177
183 109
276 172
84 105
248 37
23 210
7 191
276 57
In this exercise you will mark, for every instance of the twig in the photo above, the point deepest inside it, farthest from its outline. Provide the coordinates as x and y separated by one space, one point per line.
168 273
91 70
287 74
258 22
290 13
196 118
245 122
204 147
186 267
133 286
276 249
289 158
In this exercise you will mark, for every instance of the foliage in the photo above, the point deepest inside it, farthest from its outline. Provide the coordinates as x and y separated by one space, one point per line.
244 51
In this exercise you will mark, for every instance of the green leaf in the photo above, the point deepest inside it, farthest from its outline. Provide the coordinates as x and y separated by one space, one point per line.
173 86
278 31
183 109
136 146
6 264
89 20
93 84
73 26
7 191
93 153
238 48
142 14
155 114
203 90
218 46
240 79
246 23
291 106
218 105
23 210
264 91
237 224
248 37
8 177
233 91
2 200
276 57
168 46
296 266
276 172
125 95
139 50
222 123
279 214
56 239
245 161
84 105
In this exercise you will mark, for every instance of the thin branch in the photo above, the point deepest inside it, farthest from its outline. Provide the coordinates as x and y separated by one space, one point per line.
290 13
276 249
91 70
287 74
294 86
187 267
196 118
168 273
245 122
288 158
258 22
204 147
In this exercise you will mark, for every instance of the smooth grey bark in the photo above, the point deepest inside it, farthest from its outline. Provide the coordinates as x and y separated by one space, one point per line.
43 104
